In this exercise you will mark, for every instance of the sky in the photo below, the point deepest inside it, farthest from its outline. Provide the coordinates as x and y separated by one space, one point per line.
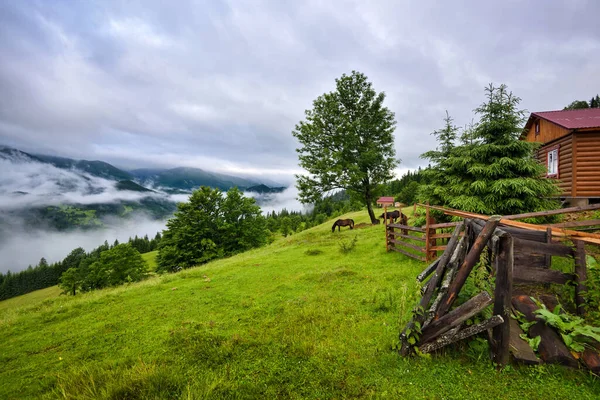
220 85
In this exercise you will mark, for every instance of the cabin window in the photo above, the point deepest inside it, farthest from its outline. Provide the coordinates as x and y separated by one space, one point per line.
553 163
537 128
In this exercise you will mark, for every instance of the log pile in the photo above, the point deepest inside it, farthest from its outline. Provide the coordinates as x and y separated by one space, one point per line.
515 254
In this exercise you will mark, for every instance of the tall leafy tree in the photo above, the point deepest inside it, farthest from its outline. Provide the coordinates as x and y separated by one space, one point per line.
493 172
210 225
346 142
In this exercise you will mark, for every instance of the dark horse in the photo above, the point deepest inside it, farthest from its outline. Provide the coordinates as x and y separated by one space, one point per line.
342 222
394 215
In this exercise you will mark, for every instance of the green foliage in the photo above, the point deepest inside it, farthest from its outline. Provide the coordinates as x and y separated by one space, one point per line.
572 329
491 171
347 246
592 294
346 142
577 104
210 225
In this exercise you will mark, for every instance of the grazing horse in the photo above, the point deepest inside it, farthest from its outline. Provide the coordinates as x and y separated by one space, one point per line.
342 222
391 215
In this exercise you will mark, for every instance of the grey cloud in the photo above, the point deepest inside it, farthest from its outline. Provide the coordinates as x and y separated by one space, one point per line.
220 85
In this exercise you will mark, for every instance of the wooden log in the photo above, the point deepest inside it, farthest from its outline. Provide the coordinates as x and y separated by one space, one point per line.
427 271
407 227
431 286
519 348
580 276
530 247
523 274
467 265
551 348
457 258
549 241
430 254
456 317
387 229
454 336
591 359
502 299
444 225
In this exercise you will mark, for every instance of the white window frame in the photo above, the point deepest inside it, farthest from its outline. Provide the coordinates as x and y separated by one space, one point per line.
552 162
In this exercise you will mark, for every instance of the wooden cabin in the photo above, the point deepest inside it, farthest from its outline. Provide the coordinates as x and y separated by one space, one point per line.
385 201
570 150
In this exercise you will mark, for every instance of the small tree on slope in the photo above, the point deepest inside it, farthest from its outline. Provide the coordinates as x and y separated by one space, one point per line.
493 172
347 142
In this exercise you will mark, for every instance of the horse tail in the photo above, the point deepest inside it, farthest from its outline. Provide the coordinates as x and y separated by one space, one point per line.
351 224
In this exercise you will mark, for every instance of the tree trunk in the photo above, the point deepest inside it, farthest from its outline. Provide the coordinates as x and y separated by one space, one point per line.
369 201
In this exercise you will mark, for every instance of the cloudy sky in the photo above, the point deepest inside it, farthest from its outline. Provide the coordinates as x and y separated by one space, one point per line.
220 85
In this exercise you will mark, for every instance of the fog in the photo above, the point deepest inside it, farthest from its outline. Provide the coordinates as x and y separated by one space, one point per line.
26 245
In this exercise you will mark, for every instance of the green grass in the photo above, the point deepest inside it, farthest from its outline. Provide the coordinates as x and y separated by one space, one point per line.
295 319
29 298
150 259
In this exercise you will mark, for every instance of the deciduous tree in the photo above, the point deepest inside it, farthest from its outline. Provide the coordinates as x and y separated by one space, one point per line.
346 142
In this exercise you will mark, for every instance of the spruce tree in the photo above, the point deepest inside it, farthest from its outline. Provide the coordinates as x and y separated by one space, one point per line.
493 171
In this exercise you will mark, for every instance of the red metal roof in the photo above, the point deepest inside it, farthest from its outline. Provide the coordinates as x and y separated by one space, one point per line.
572 119
385 200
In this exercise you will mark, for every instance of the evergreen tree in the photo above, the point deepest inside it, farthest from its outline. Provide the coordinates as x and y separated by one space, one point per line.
346 142
494 172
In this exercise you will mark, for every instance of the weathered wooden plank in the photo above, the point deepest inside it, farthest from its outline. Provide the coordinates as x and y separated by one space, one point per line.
573 224
502 299
551 348
455 317
406 244
454 336
580 276
409 237
548 257
406 253
437 248
525 260
520 349
524 274
457 258
431 286
444 225
427 271
465 269
553 212
591 359
537 248
407 227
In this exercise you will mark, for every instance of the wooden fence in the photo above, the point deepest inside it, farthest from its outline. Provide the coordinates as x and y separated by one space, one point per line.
517 255
425 243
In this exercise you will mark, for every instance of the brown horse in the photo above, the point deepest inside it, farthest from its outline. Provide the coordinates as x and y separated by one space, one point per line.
342 222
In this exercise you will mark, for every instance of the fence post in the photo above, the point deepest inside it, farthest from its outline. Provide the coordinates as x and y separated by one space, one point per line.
385 224
580 276
502 299
429 242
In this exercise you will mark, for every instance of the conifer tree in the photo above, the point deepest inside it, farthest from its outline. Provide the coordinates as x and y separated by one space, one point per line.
493 172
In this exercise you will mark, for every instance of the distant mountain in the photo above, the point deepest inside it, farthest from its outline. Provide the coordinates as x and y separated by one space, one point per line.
100 169
132 186
262 189
188 179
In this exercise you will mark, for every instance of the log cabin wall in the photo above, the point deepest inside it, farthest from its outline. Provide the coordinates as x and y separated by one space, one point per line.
587 164
548 132
565 162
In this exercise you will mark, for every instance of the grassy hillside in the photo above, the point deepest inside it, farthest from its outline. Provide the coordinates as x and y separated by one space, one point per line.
296 319
150 259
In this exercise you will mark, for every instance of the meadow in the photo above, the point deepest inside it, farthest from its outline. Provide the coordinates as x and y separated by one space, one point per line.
299 318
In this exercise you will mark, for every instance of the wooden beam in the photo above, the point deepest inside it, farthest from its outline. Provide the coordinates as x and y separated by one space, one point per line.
456 317
553 212
502 299
427 271
520 349
467 265
406 253
452 336
431 286
538 248
524 274
580 276
409 237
